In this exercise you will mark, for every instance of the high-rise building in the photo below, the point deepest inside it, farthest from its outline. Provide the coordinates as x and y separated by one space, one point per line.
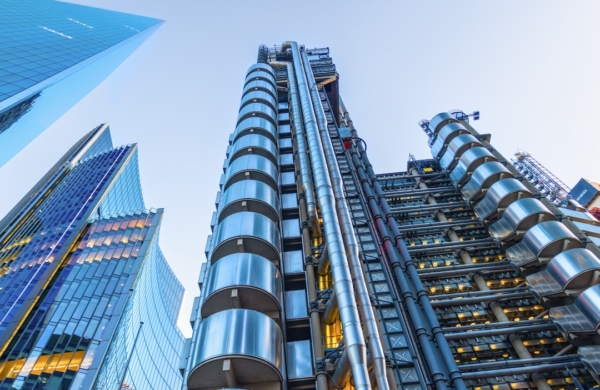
87 300
452 273
52 54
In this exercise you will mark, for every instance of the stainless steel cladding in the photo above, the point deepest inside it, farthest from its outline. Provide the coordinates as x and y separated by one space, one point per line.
582 318
253 167
590 356
482 178
256 125
541 243
498 197
567 274
249 195
243 280
260 97
440 120
518 218
469 162
237 347
260 67
456 148
246 232
260 85
447 134
260 74
259 110
254 144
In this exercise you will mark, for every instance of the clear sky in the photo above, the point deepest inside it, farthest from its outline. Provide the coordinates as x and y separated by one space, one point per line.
531 68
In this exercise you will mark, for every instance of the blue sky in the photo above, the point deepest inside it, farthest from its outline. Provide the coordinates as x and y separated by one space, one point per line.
531 68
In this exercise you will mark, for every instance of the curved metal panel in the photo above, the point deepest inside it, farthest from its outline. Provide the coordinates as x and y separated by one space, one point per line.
260 75
258 109
246 232
456 148
482 178
249 195
255 125
519 217
251 341
254 144
242 280
568 273
590 357
470 161
446 134
258 96
253 167
440 120
260 67
499 196
570 264
581 318
260 85
542 242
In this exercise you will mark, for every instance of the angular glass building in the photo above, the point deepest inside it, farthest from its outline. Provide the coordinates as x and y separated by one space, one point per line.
453 273
52 54
87 299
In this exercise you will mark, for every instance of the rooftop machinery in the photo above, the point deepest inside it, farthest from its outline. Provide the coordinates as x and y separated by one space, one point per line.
549 185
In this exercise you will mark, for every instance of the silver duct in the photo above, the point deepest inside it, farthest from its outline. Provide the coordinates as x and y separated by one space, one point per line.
324 261
340 271
331 309
305 177
286 45
360 286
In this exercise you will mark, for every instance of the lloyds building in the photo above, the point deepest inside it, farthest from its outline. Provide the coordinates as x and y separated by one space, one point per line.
454 272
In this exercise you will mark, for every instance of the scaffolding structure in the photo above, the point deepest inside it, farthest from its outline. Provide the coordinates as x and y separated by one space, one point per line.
545 181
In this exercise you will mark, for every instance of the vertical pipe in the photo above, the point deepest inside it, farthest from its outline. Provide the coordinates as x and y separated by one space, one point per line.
299 135
315 320
339 264
351 244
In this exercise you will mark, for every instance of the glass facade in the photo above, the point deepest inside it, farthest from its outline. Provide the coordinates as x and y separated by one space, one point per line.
80 271
51 55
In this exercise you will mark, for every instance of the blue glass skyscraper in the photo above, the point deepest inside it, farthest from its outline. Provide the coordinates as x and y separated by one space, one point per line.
87 300
52 54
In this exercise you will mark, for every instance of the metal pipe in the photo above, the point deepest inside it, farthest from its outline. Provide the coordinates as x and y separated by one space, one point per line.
430 190
494 325
307 187
428 207
355 343
521 370
402 279
324 261
342 370
351 244
464 269
475 300
454 245
518 362
315 317
501 331
332 310
478 293
440 225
